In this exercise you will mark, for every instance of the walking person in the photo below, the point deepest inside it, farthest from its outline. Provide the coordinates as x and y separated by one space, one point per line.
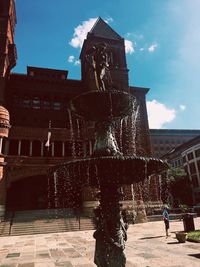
166 220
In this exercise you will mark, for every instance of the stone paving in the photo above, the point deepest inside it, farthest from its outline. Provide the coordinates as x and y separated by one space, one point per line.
147 246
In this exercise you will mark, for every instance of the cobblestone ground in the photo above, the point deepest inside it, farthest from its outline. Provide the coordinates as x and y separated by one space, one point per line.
146 247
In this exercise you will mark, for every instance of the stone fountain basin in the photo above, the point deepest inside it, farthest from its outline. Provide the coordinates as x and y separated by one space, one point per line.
118 169
102 106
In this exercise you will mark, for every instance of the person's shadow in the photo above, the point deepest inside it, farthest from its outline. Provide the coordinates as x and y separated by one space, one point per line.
151 237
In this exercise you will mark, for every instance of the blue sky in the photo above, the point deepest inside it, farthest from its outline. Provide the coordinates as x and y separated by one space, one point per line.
162 44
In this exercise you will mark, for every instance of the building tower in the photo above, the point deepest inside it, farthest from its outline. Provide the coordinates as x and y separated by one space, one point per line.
101 32
8 58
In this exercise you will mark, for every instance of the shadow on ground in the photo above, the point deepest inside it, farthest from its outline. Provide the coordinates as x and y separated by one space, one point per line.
151 237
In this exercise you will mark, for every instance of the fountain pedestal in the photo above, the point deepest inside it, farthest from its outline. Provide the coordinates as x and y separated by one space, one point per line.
111 232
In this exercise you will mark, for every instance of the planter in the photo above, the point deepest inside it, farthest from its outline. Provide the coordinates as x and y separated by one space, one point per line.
181 237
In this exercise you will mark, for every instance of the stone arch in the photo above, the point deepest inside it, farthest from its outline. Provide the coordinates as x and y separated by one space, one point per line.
35 188
28 193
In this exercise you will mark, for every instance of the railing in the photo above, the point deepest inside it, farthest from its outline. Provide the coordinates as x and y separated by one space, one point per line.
11 222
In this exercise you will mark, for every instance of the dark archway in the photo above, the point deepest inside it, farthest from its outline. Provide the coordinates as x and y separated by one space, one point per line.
28 193
42 192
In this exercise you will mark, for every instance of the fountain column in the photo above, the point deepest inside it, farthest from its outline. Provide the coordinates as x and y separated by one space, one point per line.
111 230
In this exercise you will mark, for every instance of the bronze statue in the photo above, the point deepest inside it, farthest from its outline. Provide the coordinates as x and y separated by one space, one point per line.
99 59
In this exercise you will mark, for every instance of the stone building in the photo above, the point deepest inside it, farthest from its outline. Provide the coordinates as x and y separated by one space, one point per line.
30 101
187 156
164 140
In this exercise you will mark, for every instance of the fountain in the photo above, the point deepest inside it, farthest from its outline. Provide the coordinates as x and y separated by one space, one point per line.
107 168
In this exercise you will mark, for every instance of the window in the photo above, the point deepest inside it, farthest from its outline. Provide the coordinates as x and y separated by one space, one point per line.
190 156
192 168
13 147
46 103
26 102
184 159
57 148
36 148
36 102
25 147
179 162
198 164
197 153
56 105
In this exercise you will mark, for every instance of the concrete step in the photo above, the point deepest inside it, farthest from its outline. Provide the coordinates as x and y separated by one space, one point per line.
4 228
45 221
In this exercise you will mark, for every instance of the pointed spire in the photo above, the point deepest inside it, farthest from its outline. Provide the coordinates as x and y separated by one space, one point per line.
102 29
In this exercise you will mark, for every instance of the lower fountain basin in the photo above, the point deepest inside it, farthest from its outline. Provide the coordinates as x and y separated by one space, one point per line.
101 106
119 169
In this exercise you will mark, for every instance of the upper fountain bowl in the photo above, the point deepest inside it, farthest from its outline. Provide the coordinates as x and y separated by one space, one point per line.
102 106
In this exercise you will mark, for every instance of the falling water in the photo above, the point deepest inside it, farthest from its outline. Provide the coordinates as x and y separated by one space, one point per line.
55 182
134 119
73 148
78 128
48 193
125 142
120 134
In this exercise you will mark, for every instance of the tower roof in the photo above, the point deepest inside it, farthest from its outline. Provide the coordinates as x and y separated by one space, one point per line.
102 29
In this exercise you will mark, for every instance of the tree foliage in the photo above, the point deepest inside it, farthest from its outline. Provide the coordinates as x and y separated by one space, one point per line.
179 186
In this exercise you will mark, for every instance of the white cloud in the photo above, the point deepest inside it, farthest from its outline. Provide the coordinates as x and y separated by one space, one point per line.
182 107
129 48
159 114
71 59
80 32
152 48
77 62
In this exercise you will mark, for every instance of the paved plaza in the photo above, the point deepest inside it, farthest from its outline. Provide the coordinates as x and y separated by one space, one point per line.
146 247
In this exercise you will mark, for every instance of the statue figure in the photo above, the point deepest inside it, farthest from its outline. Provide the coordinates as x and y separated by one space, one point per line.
110 241
98 59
